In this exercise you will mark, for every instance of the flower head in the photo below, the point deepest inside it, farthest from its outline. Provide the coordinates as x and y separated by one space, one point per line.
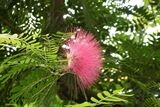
84 57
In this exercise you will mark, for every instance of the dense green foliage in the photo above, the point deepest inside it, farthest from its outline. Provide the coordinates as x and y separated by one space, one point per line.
31 61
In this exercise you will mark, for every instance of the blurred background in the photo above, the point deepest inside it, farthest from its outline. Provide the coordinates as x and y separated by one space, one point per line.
31 60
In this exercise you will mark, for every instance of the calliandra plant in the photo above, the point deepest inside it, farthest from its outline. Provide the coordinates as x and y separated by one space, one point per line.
84 56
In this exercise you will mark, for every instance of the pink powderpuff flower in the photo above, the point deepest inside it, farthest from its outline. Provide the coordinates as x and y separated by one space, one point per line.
84 56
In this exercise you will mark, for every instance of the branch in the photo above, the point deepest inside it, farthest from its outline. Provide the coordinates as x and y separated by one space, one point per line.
10 25
55 20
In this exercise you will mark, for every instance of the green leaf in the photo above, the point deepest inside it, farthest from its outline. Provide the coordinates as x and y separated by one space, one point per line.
100 96
84 104
95 100
106 93
118 91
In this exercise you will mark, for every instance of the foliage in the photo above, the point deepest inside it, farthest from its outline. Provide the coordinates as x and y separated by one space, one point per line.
31 62
106 98
32 70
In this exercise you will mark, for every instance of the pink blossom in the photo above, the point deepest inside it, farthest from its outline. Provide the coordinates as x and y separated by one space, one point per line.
84 57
